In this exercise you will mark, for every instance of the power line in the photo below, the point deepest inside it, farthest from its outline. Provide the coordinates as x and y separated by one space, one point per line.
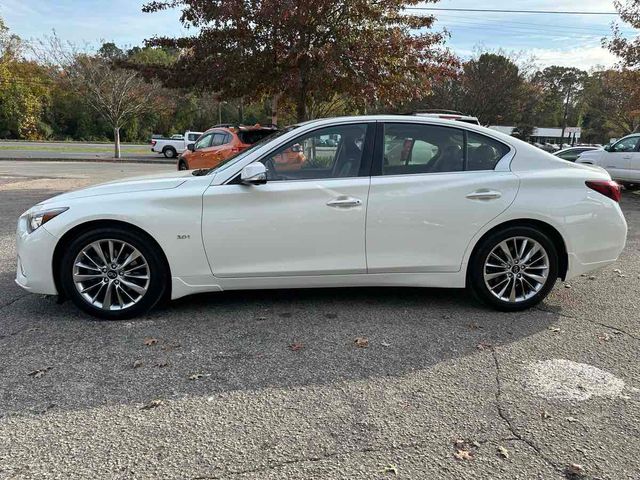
480 10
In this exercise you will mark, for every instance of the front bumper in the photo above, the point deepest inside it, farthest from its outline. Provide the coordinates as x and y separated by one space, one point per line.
34 271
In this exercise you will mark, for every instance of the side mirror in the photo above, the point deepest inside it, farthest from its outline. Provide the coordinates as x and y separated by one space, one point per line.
191 147
607 148
254 174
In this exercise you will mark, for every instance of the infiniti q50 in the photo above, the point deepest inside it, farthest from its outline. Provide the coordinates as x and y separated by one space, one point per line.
375 201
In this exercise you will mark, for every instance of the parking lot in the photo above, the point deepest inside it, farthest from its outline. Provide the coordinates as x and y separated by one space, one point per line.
334 383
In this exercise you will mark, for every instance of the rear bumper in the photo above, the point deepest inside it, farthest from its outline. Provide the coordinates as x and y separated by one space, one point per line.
34 271
598 246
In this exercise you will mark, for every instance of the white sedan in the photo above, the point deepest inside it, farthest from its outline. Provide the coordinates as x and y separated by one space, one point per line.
398 200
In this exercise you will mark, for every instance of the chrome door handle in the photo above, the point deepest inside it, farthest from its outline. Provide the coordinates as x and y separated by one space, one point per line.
484 194
344 202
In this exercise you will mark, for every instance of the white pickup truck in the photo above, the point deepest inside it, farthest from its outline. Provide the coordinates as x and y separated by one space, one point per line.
170 147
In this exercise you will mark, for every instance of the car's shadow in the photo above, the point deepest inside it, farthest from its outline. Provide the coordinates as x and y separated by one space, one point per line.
213 343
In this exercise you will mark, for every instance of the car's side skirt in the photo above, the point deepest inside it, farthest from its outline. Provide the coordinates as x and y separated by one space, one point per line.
182 286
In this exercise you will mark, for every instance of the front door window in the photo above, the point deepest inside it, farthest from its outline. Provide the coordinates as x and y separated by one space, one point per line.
334 152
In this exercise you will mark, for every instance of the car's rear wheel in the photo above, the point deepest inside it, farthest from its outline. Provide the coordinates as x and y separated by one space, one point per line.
170 152
514 269
113 274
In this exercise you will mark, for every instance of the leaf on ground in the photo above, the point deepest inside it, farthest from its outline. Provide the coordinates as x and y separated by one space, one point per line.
592 277
361 342
617 270
503 452
463 454
149 341
40 372
196 376
474 326
484 346
554 329
152 404
260 319
566 285
545 415
571 419
137 364
605 337
161 364
385 344
575 470
389 469
297 346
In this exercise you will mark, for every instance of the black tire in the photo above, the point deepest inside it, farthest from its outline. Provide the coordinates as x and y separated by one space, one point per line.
182 165
169 152
476 281
158 272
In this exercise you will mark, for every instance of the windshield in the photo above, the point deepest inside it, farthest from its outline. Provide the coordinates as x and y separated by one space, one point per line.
239 156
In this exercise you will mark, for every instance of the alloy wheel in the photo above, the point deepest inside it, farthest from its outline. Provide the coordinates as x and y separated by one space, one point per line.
516 269
111 274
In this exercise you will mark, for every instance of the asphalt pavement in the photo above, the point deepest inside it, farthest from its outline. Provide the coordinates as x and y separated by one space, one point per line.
332 383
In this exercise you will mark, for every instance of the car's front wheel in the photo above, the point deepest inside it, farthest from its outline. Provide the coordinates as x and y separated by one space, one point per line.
514 269
170 152
113 274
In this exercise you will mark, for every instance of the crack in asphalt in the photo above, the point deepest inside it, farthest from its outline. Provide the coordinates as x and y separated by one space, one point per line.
503 415
317 458
594 322
11 302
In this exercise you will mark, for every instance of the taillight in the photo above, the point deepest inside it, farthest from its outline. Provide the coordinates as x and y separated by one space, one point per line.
153 143
608 188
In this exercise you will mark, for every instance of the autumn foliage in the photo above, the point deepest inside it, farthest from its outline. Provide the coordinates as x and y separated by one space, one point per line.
373 52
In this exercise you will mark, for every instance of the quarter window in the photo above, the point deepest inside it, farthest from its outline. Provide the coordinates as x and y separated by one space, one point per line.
334 152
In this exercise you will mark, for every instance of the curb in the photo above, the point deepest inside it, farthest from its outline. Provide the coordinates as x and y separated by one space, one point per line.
162 161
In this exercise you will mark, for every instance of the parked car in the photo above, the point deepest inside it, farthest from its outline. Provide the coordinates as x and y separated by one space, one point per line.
170 147
461 206
621 159
572 153
448 115
224 141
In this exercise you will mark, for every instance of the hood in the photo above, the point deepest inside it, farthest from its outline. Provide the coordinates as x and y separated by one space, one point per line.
160 181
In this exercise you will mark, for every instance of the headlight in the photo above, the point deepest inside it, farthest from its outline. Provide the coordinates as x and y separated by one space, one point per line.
37 219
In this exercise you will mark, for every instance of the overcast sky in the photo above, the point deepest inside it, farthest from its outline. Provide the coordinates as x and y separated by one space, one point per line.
571 40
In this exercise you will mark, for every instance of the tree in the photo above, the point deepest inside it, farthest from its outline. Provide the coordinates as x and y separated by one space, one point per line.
612 104
308 51
562 87
24 90
627 49
110 51
491 88
117 94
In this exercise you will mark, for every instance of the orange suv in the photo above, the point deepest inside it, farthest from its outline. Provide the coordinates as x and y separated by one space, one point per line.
223 141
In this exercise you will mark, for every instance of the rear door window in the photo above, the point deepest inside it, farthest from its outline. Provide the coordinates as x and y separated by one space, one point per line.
423 148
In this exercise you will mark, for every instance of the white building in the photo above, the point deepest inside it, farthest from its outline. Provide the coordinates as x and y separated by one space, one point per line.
546 135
